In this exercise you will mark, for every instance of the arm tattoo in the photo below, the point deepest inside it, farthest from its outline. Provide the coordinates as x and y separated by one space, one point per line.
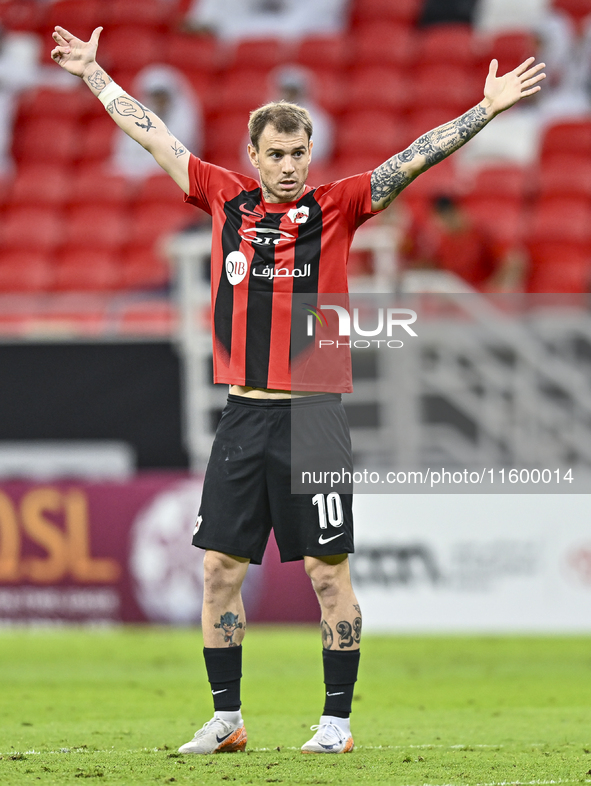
129 107
388 180
97 80
327 637
178 149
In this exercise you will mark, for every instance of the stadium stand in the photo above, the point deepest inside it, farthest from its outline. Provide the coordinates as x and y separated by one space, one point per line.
384 82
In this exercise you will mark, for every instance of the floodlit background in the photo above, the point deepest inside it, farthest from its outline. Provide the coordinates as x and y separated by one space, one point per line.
107 409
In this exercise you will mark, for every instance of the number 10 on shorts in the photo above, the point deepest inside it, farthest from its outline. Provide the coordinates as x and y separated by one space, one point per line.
330 510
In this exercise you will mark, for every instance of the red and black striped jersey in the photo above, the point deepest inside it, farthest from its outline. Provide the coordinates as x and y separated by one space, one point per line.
263 253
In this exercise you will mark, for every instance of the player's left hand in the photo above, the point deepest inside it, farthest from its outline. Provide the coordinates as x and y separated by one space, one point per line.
501 92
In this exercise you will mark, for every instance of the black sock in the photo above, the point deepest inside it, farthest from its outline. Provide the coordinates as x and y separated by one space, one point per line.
340 676
224 670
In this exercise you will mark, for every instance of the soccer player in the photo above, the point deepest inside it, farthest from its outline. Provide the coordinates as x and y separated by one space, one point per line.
274 238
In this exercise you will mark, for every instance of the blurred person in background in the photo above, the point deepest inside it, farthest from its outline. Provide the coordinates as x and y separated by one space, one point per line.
167 92
235 19
18 71
447 239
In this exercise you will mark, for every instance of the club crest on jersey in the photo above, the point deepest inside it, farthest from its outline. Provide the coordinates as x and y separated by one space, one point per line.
299 215
236 267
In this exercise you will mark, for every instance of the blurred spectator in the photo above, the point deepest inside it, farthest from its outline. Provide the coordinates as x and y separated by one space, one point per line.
18 71
167 92
234 19
568 60
493 16
437 11
448 240
294 83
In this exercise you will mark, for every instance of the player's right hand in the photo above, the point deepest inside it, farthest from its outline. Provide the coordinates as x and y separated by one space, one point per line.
71 53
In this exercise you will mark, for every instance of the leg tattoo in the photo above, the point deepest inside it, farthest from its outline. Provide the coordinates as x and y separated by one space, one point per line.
229 625
327 637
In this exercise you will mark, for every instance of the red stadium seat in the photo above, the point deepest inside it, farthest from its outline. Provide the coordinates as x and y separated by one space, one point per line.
566 175
160 189
386 43
41 185
19 16
567 138
243 90
47 140
31 229
86 269
226 136
6 186
330 90
353 163
25 271
44 102
438 180
578 10
130 48
152 221
500 216
446 86
259 53
97 227
559 267
510 49
382 10
150 13
192 53
369 133
96 143
446 43
561 219
144 268
92 185
79 18
323 52
502 181
377 89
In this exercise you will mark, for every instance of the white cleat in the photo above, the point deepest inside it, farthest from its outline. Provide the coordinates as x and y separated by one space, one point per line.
328 739
217 736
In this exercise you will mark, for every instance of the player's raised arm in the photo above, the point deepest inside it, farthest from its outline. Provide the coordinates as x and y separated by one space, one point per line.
500 93
79 58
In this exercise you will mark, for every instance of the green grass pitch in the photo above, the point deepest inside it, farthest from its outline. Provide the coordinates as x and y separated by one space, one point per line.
79 706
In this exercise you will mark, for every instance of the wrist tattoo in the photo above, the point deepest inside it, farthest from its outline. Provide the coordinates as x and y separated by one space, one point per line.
97 80
389 179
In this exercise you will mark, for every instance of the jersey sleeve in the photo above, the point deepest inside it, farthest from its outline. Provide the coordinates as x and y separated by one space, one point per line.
208 182
353 197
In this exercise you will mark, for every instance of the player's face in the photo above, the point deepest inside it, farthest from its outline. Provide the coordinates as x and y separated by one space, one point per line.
282 161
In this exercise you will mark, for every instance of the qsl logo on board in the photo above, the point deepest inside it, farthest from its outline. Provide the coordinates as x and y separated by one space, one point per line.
236 267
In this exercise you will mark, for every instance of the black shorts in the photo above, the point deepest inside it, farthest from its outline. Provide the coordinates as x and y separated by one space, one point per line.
247 487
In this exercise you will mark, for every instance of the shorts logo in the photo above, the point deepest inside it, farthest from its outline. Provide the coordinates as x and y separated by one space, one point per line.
298 215
197 524
322 540
236 267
